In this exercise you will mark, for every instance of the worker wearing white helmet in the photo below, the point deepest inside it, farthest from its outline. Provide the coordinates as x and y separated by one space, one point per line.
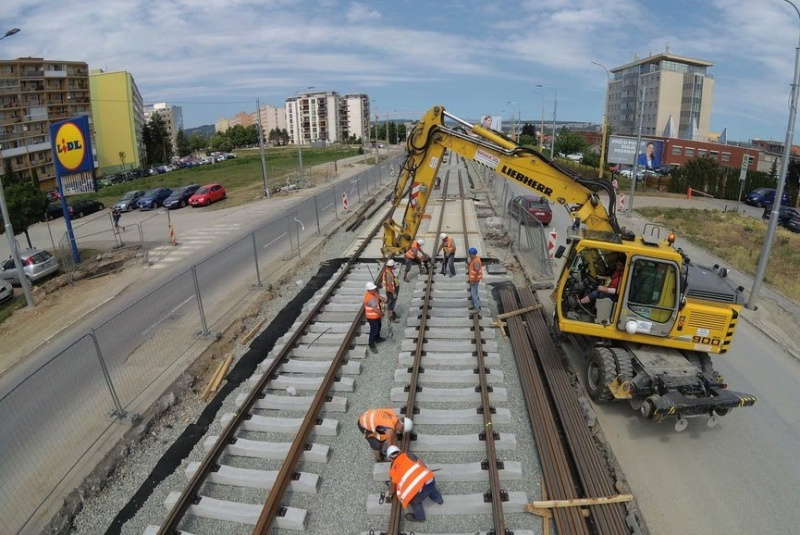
389 283
411 481
448 247
381 427
415 255
373 312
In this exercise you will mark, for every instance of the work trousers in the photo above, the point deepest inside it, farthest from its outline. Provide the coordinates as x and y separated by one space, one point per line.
473 290
449 262
374 331
428 490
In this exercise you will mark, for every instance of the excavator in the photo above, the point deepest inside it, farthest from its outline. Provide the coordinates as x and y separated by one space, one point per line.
649 343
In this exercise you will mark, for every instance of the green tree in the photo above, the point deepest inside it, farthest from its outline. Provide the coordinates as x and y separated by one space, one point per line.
26 206
773 172
198 143
251 134
528 130
392 133
568 142
284 137
184 147
527 140
156 140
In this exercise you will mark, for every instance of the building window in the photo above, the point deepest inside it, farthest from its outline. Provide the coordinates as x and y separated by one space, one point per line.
726 156
702 153
714 155
676 151
689 152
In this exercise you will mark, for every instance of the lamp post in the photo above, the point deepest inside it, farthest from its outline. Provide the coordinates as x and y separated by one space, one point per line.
776 206
605 119
514 103
541 129
299 130
261 148
9 229
555 110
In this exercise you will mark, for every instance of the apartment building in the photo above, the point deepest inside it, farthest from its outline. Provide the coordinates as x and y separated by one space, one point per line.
314 118
34 93
118 113
666 92
271 118
354 115
172 116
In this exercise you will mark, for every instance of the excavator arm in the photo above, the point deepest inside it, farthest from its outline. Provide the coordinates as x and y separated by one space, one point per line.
431 138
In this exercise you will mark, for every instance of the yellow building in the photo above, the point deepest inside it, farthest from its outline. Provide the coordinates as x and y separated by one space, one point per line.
118 114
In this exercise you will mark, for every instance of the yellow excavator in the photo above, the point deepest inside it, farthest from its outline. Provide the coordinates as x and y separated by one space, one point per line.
652 330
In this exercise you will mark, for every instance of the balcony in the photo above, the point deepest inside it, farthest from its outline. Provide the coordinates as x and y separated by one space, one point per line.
55 74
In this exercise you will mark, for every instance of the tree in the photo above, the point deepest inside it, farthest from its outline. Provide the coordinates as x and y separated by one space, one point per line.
284 137
528 130
774 171
156 140
568 142
184 147
122 158
26 206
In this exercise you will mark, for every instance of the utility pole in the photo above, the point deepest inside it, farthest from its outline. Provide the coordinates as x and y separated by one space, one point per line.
635 167
261 148
605 122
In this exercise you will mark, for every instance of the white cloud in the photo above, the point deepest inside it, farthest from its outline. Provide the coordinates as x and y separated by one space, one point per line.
361 13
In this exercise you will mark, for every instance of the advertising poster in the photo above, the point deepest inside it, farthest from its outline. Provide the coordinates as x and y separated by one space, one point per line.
493 122
622 150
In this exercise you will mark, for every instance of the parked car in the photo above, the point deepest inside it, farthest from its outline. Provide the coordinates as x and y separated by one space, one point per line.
153 198
53 211
527 206
180 197
642 173
53 195
127 203
208 194
763 196
666 170
627 173
79 209
6 291
784 214
37 264
793 223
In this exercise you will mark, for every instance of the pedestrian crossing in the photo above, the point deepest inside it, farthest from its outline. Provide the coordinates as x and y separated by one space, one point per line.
165 256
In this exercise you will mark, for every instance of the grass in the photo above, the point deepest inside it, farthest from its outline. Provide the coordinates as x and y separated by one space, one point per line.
738 240
240 175
8 308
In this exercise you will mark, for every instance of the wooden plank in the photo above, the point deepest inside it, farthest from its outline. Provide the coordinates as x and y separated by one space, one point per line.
518 312
222 371
580 502
252 333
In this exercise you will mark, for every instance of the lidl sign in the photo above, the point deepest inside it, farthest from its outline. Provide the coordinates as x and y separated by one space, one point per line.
72 146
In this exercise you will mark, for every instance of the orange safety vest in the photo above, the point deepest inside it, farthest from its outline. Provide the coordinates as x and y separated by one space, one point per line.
475 270
372 306
413 251
449 245
388 280
409 476
375 418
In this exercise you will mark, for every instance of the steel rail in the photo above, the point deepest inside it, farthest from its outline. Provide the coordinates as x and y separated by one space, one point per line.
464 215
210 462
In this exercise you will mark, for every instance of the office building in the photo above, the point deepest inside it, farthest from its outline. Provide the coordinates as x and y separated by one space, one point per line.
34 93
314 118
172 116
118 113
677 93
354 115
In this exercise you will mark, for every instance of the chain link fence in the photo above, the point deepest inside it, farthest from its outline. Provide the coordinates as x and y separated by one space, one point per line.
55 415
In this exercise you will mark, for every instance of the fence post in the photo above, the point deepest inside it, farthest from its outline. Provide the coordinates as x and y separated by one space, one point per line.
358 187
297 228
255 257
118 411
204 332
335 200
289 234
316 211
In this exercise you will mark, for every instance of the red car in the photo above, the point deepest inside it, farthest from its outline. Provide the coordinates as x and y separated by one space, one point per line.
208 194
526 206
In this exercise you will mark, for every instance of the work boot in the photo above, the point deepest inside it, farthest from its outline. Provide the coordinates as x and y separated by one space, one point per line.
380 339
374 350
405 277
394 319
411 518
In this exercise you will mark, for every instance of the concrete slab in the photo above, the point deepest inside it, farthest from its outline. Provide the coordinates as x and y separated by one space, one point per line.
314 339
446 312
446 302
455 504
310 366
448 359
516 532
295 519
449 395
258 479
293 403
344 384
322 352
450 293
463 321
452 346
450 333
327 427
333 328
457 416
435 443
243 447
153 530
511 471
432 376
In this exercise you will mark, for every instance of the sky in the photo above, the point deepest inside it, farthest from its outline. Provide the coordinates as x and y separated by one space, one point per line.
215 57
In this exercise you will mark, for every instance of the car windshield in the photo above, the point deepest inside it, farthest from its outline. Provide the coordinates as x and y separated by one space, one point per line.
762 191
128 196
202 190
151 193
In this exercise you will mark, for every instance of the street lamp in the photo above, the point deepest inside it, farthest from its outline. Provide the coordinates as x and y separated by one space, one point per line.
776 206
299 129
555 109
541 129
605 119
513 103
12 242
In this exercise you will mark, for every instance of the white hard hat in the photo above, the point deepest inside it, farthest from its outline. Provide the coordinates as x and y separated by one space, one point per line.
390 263
442 236
392 451
407 425
371 286
421 241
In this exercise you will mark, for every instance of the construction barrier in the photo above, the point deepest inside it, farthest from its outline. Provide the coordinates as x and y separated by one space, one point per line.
551 243
622 201
689 193
344 202
172 238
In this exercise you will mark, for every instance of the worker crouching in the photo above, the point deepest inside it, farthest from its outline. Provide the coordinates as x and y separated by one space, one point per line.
374 313
448 247
414 255
380 427
412 482
390 286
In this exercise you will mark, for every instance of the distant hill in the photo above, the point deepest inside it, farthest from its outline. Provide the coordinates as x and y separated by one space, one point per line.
206 130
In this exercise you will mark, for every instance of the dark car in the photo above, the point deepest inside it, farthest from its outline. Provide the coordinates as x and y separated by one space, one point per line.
793 223
127 202
81 208
784 215
180 197
53 211
526 206
763 196
153 198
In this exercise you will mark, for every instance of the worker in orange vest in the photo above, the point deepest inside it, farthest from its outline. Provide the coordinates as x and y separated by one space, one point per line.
412 482
414 255
475 277
448 248
380 427
389 283
373 312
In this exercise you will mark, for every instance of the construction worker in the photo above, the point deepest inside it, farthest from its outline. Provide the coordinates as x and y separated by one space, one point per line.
414 255
475 277
380 427
373 312
448 247
389 283
412 482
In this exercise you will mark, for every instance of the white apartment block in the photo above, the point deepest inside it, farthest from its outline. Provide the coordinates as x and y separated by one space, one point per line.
172 116
354 115
314 117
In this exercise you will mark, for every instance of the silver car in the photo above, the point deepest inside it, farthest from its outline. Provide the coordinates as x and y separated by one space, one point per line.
6 291
36 265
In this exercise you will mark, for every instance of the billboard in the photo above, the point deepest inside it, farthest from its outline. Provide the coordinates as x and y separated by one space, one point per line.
71 141
622 150
493 122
